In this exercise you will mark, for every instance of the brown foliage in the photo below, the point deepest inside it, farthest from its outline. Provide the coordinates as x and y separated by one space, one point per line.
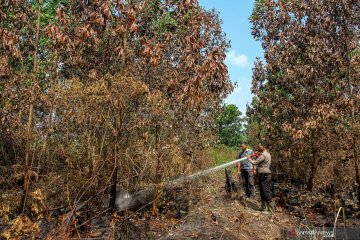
129 84
307 92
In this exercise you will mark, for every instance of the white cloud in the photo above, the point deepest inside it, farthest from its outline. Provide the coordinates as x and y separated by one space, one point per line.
241 94
240 60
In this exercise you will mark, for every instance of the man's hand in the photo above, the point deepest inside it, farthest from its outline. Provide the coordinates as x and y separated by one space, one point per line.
250 159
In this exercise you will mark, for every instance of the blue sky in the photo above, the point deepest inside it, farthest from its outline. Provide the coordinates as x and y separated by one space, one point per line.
244 49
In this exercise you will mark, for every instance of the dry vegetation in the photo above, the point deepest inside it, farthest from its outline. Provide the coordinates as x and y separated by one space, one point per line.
99 95
307 90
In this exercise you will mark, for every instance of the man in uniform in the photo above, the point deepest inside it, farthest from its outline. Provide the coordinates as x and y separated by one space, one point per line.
263 163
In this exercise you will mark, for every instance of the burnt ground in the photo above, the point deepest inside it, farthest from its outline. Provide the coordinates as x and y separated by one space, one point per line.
218 216
209 213
201 210
221 218
204 213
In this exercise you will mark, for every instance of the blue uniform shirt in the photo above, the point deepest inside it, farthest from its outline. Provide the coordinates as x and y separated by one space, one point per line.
246 164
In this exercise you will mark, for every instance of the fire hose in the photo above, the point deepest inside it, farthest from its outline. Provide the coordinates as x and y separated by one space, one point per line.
125 200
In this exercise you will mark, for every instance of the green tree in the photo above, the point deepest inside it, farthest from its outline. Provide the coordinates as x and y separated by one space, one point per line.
231 126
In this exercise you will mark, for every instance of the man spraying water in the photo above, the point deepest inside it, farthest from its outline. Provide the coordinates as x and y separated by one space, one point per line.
245 171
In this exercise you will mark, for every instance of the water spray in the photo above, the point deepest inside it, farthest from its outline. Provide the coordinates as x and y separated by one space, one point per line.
205 172
125 200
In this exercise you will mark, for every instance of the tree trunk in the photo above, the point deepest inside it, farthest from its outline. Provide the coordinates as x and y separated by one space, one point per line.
356 161
31 113
353 96
124 53
292 167
314 165
157 174
113 183
119 119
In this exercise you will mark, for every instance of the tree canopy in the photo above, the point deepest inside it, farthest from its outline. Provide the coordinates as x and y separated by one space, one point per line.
307 95
231 126
105 87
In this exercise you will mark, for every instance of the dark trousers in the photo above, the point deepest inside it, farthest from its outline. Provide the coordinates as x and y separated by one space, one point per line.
247 176
265 186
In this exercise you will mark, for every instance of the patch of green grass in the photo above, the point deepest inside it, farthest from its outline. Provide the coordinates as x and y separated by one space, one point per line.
223 154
